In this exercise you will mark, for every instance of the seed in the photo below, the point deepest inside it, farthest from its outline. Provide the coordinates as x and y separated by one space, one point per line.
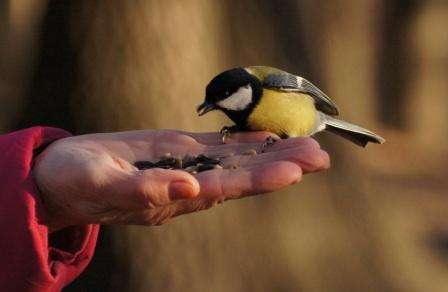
165 167
205 167
217 166
267 143
270 140
171 161
205 159
178 163
188 160
166 155
250 152
191 169
144 164
231 166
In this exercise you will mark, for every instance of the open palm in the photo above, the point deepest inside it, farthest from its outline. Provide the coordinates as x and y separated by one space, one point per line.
91 178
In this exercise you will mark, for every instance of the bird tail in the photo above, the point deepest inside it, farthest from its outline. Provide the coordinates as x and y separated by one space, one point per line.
356 134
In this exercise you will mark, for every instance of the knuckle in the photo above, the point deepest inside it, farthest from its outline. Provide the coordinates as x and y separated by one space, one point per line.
310 142
316 159
160 216
205 204
325 163
143 193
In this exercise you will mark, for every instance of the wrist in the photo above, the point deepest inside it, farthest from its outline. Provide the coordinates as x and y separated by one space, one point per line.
56 216
53 214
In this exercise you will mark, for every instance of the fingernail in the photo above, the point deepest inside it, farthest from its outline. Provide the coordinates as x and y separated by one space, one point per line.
180 190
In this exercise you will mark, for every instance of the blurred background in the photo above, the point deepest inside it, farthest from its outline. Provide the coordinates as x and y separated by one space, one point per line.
376 221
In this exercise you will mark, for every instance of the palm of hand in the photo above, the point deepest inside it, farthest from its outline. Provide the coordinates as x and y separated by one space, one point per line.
91 179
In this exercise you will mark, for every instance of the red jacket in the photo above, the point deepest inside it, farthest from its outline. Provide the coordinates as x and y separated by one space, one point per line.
30 258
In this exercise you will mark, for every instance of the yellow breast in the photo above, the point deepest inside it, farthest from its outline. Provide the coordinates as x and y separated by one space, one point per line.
290 113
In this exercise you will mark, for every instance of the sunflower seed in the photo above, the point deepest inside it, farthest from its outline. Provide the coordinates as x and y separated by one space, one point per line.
188 160
231 166
144 164
178 163
205 159
171 161
205 167
191 169
250 152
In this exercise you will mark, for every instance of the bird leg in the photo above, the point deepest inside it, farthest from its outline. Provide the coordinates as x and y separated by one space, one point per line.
227 131
267 143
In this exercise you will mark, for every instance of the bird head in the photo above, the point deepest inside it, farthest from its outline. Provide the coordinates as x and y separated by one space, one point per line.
232 91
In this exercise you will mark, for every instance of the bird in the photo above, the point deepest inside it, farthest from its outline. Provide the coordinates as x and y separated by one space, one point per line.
262 98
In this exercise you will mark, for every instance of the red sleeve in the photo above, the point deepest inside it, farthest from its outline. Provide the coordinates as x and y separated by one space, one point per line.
31 259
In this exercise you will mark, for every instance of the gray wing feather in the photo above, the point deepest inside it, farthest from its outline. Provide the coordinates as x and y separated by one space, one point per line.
281 81
323 102
289 82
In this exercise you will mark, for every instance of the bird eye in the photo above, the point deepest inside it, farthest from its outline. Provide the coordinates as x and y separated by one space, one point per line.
227 93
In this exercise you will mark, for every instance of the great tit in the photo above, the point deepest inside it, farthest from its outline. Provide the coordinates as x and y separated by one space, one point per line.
269 99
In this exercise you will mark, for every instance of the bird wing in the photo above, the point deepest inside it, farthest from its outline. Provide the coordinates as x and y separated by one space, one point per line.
277 79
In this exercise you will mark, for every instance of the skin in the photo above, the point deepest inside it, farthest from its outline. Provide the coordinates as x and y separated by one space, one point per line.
90 178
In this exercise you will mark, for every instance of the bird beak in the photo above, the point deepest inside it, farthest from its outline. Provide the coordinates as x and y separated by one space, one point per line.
204 108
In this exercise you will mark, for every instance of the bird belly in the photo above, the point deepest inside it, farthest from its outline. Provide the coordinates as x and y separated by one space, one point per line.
284 113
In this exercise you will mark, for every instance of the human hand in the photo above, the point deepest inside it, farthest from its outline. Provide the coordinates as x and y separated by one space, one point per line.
91 178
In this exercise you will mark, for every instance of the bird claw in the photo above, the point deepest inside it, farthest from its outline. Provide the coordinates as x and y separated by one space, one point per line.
226 132
268 143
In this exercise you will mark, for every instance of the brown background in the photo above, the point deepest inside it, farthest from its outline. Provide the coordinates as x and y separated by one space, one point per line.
376 221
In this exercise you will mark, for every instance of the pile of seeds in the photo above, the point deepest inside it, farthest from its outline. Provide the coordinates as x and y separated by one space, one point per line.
189 163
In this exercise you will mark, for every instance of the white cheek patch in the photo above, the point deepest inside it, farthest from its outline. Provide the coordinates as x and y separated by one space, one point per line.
239 100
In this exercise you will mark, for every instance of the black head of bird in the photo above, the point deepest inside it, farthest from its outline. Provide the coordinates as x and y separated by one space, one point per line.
235 92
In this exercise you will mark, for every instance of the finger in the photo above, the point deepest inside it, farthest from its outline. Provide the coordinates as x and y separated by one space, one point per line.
209 138
225 184
176 144
249 137
241 148
161 215
150 188
215 138
218 186
310 159
148 217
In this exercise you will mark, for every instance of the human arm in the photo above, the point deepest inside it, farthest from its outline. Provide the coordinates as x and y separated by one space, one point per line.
32 259
47 235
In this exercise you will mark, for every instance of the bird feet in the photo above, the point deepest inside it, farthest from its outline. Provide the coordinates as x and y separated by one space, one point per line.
227 131
268 143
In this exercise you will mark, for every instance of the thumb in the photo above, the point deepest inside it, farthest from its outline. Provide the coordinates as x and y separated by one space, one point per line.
152 188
